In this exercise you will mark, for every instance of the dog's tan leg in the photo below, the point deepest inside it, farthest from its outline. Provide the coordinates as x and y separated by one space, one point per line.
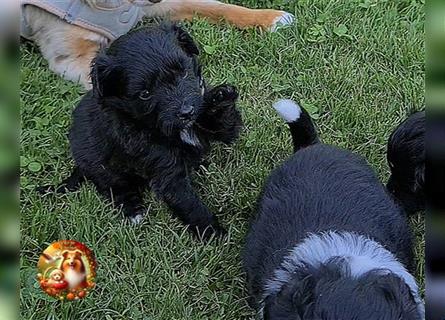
214 10
82 48
68 49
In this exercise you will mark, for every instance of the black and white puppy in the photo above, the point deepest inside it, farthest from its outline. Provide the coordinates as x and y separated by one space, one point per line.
148 122
328 241
406 157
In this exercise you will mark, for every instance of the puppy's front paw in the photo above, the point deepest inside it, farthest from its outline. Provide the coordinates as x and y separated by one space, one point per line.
222 96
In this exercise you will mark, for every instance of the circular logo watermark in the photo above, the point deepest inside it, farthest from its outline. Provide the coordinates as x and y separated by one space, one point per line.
67 270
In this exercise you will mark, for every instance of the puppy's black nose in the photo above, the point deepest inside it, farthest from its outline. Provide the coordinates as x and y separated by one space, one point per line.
187 112
155 1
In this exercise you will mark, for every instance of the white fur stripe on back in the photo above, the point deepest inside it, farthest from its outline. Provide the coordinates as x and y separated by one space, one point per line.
361 253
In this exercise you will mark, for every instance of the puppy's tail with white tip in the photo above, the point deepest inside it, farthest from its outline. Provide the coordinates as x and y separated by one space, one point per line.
300 123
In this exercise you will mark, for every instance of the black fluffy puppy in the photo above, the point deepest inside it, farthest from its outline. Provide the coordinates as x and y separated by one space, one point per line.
148 122
406 157
328 241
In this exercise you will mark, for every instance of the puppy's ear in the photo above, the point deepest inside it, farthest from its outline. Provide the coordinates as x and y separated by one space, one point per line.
107 76
294 300
302 293
186 41
397 292
272 309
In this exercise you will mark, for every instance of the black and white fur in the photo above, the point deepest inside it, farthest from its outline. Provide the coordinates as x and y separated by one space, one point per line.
328 241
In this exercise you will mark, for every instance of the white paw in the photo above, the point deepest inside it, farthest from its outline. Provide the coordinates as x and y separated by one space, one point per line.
285 19
137 219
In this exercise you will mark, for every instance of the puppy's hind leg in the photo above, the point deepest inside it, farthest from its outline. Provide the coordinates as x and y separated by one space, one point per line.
70 184
131 202
125 191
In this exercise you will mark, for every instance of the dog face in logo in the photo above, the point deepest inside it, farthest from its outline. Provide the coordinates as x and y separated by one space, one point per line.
74 269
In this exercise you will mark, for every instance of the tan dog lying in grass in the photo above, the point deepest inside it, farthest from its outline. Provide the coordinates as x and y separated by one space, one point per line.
69 33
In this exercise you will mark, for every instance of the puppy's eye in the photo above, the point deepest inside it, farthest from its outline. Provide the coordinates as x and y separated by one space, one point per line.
144 95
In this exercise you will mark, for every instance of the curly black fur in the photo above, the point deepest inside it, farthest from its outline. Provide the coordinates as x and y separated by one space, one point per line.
406 157
148 122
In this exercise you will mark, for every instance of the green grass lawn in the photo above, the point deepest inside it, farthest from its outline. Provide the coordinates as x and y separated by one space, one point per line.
357 65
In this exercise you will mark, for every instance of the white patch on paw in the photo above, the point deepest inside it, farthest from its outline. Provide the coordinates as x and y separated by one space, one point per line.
137 219
284 20
288 109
